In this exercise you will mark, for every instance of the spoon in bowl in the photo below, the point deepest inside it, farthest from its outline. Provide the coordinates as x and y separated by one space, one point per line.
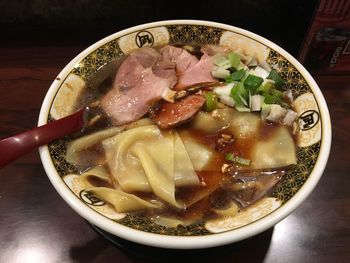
18 145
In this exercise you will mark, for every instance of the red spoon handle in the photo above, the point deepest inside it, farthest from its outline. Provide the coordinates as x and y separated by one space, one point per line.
16 146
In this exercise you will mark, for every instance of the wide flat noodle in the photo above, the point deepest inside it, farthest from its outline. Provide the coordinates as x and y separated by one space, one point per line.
143 159
157 159
199 153
206 122
241 124
278 151
98 172
125 167
245 124
184 173
85 142
121 201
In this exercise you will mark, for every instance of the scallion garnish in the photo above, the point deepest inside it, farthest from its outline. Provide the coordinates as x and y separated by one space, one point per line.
242 161
239 94
211 101
236 76
229 157
234 58
270 99
249 88
221 62
265 88
276 93
252 82
279 82
237 159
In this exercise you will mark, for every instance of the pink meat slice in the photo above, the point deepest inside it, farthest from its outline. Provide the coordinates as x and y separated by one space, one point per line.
173 114
200 72
180 57
139 83
188 69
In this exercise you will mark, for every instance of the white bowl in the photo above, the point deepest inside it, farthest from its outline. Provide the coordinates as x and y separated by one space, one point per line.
313 150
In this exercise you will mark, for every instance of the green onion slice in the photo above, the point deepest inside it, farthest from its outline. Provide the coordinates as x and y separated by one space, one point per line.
265 88
239 94
279 82
237 159
236 76
252 82
229 157
234 58
211 101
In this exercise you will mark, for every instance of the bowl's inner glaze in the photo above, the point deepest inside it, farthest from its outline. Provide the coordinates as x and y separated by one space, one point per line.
309 141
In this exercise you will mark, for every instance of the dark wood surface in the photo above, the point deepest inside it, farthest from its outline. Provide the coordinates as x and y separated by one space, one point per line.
36 225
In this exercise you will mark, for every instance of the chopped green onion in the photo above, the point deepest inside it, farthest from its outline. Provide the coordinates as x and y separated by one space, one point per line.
242 161
245 103
255 102
232 69
221 62
265 88
276 78
223 93
252 82
211 101
265 110
234 94
239 94
234 58
271 99
228 79
284 104
220 73
276 93
241 108
274 96
236 76
242 66
259 71
229 157
237 159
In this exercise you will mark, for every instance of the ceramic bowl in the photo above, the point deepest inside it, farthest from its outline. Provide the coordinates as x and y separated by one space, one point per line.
314 136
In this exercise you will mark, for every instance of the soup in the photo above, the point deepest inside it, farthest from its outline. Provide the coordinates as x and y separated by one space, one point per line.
182 134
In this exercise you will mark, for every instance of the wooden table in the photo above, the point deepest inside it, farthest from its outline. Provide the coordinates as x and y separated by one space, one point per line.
36 225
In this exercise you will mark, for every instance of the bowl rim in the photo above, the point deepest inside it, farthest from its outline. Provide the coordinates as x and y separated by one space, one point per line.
188 242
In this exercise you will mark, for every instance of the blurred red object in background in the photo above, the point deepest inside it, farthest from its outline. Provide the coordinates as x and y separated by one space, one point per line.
326 48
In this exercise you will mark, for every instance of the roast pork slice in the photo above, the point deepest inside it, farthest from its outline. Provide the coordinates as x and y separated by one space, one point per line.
180 57
173 114
140 82
188 69
130 71
200 72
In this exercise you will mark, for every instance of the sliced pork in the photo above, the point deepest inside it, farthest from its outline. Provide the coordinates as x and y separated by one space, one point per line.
144 77
179 57
189 69
174 114
200 72
140 82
